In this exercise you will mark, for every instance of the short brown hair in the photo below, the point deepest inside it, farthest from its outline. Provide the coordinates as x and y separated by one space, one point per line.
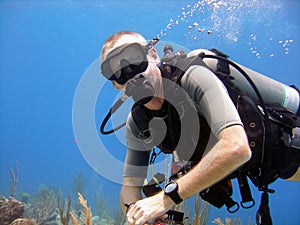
113 39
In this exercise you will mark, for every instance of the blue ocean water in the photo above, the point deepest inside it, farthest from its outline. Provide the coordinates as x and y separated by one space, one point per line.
48 47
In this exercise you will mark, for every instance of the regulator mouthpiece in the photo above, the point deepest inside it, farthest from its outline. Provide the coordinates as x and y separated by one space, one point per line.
140 90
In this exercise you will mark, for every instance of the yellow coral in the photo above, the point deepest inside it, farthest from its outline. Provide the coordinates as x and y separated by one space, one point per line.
218 221
229 222
86 211
74 219
87 220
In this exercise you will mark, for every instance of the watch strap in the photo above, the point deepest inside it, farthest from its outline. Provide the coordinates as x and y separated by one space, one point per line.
174 195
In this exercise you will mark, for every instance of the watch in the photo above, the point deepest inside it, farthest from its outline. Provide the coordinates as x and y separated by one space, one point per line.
171 190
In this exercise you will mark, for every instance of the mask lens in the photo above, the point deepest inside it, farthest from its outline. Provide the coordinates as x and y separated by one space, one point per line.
123 57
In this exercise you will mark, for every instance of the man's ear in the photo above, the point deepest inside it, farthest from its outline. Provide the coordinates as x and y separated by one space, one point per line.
154 56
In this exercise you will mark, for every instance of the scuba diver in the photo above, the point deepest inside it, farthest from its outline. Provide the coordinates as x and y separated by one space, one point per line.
217 118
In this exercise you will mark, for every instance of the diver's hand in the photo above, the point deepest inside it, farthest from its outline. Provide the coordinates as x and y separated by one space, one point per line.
147 210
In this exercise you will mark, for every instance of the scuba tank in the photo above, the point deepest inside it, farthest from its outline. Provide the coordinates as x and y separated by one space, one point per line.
271 90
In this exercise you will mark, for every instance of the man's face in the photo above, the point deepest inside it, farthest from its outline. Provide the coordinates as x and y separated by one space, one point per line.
130 59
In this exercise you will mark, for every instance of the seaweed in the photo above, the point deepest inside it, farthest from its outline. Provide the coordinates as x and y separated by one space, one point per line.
101 204
201 211
79 184
118 215
42 207
14 180
64 217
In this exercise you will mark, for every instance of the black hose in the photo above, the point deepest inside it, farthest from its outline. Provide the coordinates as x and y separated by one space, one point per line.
108 115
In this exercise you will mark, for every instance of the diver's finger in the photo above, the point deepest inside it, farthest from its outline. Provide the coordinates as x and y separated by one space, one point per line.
165 216
129 215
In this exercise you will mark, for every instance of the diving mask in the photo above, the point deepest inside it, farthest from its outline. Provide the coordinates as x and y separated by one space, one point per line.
126 61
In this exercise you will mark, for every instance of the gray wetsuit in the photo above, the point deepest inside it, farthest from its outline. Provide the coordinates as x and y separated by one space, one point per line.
210 99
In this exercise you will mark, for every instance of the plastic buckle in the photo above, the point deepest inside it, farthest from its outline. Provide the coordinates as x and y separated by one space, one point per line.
246 206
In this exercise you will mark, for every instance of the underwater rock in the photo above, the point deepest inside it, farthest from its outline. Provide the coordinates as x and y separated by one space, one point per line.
10 209
23 221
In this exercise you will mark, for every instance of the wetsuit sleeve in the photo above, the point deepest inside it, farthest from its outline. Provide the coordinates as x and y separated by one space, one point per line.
137 156
211 98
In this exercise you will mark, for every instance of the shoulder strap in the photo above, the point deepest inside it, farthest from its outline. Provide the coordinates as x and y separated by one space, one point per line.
142 122
175 68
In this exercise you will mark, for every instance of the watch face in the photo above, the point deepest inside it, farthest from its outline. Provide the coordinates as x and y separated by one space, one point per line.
170 187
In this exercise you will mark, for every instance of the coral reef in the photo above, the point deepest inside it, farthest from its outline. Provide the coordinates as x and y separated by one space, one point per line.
22 221
228 221
42 207
86 216
87 213
10 209
74 219
46 208
86 210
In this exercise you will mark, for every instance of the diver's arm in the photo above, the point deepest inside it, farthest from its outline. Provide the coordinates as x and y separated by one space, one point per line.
130 192
135 166
230 152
